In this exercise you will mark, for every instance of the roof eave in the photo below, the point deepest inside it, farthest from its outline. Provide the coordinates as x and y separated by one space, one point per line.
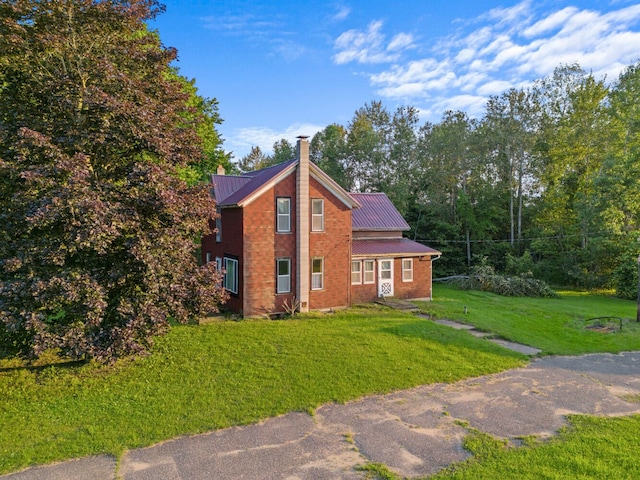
333 186
396 254
263 188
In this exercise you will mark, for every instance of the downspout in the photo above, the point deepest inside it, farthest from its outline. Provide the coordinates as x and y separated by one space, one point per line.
431 275
349 277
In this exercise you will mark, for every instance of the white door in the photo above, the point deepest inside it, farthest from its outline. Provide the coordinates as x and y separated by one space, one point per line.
385 278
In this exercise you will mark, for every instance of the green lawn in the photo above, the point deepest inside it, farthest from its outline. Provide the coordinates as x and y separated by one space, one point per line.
201 378
589 448
557 326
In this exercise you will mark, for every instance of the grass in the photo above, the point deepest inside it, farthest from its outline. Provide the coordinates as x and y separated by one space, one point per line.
201 378
589 448
557 326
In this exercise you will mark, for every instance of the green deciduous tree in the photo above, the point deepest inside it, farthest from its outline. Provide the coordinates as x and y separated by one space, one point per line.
97 230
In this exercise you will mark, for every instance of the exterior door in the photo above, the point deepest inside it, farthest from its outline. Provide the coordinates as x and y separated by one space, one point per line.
385 277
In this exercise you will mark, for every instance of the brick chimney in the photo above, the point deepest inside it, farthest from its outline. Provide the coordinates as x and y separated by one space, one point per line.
302 228
220 170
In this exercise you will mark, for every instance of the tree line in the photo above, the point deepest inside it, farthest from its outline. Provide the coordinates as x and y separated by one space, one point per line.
546 182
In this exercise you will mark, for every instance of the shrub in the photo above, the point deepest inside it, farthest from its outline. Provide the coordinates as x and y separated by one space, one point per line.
484 277
625 279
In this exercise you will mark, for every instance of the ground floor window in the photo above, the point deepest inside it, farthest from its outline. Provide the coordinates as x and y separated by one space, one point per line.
407 269
317 273
356 272
231 274
369 271
283 269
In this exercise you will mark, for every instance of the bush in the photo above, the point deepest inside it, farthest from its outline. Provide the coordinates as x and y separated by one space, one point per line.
484 277
625 279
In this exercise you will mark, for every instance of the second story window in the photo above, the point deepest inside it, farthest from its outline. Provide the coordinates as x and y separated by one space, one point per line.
317 215
283 220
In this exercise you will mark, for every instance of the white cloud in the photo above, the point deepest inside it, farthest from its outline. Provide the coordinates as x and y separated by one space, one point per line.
342 12
241 140
550 23
400 42
494 87
368 47
505 48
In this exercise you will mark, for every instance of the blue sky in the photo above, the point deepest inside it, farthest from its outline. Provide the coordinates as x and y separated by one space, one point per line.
285 68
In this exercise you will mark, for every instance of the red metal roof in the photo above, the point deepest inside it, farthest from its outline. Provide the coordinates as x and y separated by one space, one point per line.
397 247
232 189
376 213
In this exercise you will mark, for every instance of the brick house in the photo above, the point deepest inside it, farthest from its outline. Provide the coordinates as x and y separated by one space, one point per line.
289 234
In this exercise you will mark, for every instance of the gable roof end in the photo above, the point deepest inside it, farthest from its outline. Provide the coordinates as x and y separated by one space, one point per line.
238 190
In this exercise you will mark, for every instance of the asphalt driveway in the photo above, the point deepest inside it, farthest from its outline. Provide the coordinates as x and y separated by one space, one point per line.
413 432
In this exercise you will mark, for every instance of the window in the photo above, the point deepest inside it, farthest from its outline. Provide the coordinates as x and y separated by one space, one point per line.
218 225
369 271
317 274
219 267
356 272
283 268
317 215
407 269
230 274
284 215
207 257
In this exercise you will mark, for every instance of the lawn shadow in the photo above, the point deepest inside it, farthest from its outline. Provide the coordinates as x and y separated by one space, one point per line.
426 329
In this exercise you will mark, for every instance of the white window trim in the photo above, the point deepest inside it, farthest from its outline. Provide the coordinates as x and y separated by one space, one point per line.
279 277
409 270
207 257
232 288
219 269
283 215
315 275
219 225
372 271
315 216
357 272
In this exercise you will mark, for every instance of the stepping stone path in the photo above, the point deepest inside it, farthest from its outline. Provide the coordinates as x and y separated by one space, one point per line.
517 347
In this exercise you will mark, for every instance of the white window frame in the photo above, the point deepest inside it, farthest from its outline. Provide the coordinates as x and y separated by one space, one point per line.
207 257
356 272
219 225
230 281
219 268
371 272
407 272
317 218
317 277
284 216
286 279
